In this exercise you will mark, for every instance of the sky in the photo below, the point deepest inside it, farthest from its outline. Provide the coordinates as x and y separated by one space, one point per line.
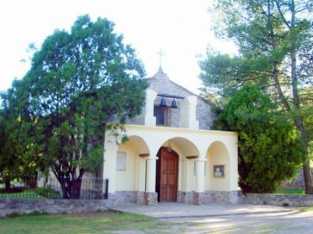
181 29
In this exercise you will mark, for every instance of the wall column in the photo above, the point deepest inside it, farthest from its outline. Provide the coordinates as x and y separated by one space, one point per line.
149 107
200 175
198 194
109 165
187 171
189 113
151 174
150 196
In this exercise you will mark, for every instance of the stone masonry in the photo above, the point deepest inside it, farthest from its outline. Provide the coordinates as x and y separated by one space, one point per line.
277 199
163 85
141 198
51 206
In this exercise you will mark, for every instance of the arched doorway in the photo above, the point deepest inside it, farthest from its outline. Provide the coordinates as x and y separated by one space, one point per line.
167 175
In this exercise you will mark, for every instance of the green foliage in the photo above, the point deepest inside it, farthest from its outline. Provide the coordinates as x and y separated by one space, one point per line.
264 42
282 190
79 82
47 193
275 45
20 155
269 147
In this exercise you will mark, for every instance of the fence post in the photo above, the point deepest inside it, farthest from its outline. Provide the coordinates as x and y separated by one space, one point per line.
106 189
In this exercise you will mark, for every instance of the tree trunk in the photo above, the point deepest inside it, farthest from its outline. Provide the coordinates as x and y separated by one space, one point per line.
65 189
31 182
71 188
75 189
7 183
308 178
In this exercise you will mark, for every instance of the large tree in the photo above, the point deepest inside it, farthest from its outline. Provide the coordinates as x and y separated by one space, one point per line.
275 41
81 82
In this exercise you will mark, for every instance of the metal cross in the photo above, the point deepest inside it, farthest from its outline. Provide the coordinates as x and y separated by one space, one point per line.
161 54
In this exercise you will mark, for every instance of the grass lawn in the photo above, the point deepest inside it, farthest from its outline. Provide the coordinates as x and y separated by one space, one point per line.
297 191
306 209
109 222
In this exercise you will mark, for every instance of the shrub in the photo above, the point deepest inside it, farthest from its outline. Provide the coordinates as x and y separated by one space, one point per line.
269 147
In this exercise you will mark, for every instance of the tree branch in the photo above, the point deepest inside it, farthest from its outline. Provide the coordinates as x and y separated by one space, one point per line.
281 13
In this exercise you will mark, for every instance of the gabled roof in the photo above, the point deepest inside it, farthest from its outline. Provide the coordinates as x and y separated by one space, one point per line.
160 74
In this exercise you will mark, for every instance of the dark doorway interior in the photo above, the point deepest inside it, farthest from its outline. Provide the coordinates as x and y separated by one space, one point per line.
162 115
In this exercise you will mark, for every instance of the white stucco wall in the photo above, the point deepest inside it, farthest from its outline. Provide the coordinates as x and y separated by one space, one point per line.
217 155
210 147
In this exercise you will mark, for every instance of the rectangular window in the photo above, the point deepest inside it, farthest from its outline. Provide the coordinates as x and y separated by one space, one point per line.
121 161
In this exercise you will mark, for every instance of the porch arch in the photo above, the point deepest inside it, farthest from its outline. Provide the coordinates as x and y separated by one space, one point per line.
187 152
131 176
139 144
218 167
183 146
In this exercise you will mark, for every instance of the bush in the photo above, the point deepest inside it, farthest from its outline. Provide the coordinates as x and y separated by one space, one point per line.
269 147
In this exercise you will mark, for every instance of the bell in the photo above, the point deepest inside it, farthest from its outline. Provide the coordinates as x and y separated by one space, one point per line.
174 104
163 102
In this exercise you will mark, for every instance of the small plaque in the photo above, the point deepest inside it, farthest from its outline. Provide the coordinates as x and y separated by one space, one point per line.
218 171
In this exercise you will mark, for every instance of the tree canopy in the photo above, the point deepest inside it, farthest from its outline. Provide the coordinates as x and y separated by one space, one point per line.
80 82
275 47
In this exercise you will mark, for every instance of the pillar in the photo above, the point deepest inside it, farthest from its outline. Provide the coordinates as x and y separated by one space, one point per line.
109 165
198 194
149 107
150 196
188 113
151 174
200 175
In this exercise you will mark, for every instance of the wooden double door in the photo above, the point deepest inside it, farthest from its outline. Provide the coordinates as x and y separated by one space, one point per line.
167 175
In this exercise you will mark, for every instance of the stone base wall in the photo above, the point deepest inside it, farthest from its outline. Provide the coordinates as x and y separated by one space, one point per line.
145 198
236 197
122 197
185 197
277 199
151 198
50 206
208 197
141 198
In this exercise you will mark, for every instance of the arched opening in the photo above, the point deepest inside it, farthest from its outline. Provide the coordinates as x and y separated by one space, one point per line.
218 168
130 165
175 168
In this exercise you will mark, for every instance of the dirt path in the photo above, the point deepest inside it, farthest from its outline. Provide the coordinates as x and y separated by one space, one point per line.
291 223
